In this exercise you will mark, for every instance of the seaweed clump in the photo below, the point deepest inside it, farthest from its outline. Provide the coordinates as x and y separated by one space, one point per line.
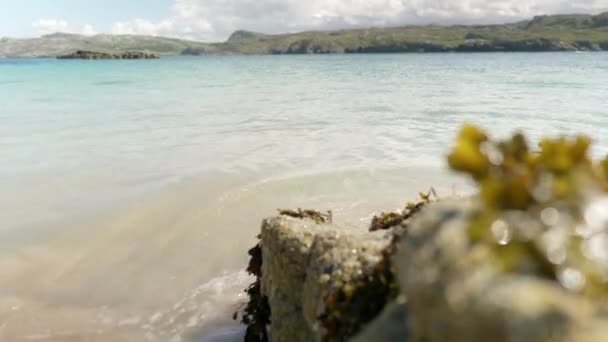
388 220
256 315
314 215
352 306
349 308
540 211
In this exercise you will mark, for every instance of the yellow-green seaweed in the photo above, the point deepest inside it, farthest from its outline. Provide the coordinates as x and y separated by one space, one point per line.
533 204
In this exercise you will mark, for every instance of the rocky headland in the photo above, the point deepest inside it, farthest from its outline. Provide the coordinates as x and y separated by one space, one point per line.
540 34
102 55
523 260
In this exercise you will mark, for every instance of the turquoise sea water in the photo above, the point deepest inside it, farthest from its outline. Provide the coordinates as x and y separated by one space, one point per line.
130 190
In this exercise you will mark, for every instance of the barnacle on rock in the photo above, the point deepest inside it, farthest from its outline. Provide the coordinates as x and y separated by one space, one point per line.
535 206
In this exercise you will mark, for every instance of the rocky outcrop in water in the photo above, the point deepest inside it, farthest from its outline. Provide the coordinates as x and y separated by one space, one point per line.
455 290
528 45
523 260
310 46
306 266
81 54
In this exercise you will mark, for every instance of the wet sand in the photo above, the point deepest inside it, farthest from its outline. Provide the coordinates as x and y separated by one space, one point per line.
168 266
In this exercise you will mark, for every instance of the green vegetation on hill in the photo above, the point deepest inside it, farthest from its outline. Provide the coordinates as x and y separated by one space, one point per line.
543 33
59 44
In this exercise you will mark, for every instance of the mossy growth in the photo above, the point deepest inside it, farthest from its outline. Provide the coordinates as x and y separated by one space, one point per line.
256 315
314 215
388 220
354 305
351 307
538 208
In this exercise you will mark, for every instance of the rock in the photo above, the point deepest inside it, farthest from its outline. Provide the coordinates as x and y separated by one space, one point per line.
477 45
456 291
588 46
529 45
81 54
390 326
400 47
312 46
87 55
194 51
303 262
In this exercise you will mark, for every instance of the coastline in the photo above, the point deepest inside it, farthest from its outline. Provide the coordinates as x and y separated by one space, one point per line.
539 34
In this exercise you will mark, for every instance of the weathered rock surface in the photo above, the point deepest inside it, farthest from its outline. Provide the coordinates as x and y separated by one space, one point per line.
457 292
389 326
455 289
81 54
524 260
303 262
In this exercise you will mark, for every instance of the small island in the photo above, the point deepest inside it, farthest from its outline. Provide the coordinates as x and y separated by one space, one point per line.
89 55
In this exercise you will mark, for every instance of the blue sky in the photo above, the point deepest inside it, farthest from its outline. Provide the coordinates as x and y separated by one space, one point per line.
214 20
17 16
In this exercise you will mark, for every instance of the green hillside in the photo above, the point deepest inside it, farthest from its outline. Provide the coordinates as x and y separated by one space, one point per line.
543 33
61 44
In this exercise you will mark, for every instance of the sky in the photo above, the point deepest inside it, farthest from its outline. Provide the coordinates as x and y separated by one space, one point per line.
215 20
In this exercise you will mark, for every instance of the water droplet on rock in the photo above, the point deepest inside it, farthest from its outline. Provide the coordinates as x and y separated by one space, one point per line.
501 231
550 216
557 255
596 248
572 279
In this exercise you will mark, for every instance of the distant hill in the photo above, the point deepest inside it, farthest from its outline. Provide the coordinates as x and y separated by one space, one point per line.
58 44
542 33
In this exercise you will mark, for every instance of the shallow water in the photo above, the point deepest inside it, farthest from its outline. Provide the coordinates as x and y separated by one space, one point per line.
130 191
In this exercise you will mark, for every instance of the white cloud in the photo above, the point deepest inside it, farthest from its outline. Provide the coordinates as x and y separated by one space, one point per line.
216 19
143 26
48 26
88 30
